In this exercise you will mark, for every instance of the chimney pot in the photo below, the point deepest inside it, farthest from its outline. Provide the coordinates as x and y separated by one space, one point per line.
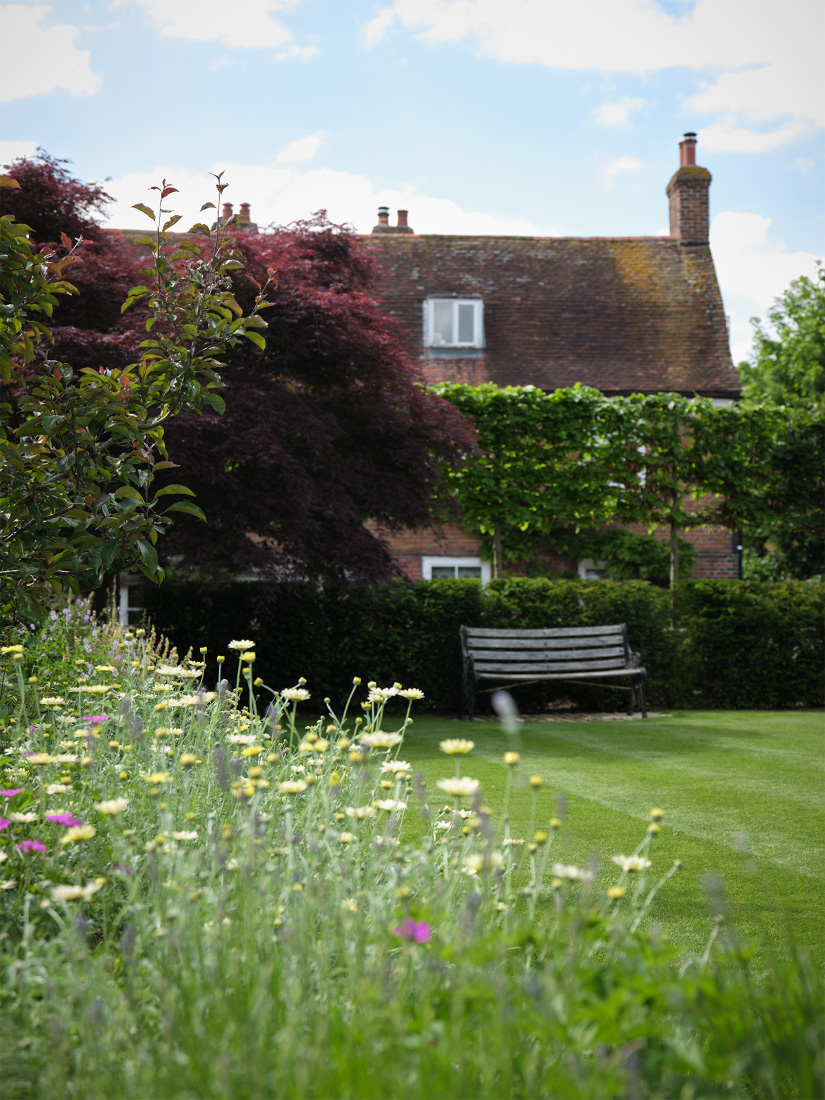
383 215
227 211
245 211
402 217
687 150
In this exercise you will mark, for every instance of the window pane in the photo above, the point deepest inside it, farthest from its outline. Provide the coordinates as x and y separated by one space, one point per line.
466 323
443 323
439 572
470 571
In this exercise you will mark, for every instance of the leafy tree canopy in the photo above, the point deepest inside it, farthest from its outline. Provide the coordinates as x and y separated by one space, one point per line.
326 426
787 363
574 459
81 444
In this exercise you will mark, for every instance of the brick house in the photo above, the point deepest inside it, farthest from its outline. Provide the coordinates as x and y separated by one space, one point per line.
621 314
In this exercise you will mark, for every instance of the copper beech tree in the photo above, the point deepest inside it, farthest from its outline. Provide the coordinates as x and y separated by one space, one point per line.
328 426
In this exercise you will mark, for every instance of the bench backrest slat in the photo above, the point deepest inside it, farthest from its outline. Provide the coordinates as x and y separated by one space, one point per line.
549 656
549 632
543 645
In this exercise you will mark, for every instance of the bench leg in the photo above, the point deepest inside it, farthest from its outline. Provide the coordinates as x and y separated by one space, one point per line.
468 698
642 703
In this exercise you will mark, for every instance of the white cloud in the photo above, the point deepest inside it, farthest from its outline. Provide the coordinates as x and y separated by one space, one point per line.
303 148
374 31
753 270
618 112
802 164
620 166
48 60
287 193
727 137
11 150
244 24
762 57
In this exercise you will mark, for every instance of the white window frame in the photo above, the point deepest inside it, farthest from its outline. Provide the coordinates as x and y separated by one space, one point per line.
478 321
428 562
588 565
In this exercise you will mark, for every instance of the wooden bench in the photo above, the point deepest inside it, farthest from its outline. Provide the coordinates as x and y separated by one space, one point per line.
586 654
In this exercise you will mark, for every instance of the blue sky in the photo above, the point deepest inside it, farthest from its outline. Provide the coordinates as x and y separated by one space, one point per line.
538 117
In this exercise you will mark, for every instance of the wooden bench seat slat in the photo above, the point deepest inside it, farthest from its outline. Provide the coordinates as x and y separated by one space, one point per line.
557 653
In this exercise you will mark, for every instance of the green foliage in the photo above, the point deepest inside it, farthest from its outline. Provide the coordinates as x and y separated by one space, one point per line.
543 458
750 644
81 445
789 542
574 458
787 363
331 634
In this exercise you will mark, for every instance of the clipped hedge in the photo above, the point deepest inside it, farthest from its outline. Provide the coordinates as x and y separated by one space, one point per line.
727 644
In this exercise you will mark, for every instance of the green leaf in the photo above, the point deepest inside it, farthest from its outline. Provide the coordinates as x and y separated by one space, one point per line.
256 339
149 555
169 489
215 401
144 209
128 491
186 506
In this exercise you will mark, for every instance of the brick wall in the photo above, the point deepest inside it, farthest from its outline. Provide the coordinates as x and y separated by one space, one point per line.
715 555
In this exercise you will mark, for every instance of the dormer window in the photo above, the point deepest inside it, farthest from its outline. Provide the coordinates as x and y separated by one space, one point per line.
453 323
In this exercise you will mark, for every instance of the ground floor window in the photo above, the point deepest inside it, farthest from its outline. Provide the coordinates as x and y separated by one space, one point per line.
437 568
590 570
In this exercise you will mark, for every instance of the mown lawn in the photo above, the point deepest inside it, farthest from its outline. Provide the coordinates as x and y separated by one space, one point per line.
742 793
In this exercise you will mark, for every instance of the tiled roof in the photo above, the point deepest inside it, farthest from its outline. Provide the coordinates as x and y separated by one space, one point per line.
622 314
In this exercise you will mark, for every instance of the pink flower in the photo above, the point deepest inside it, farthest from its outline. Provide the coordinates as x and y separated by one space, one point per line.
413 931
68 821
4 823
94 719
31 846
11 794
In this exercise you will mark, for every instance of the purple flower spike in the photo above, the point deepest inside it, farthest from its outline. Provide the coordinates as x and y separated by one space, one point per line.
125 868
4 823
95 719
68 821
413 931
11 794
30 846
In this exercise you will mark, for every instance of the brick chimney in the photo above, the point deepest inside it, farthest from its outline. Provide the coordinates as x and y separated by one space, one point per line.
687 193
384 222
227 212
245 217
